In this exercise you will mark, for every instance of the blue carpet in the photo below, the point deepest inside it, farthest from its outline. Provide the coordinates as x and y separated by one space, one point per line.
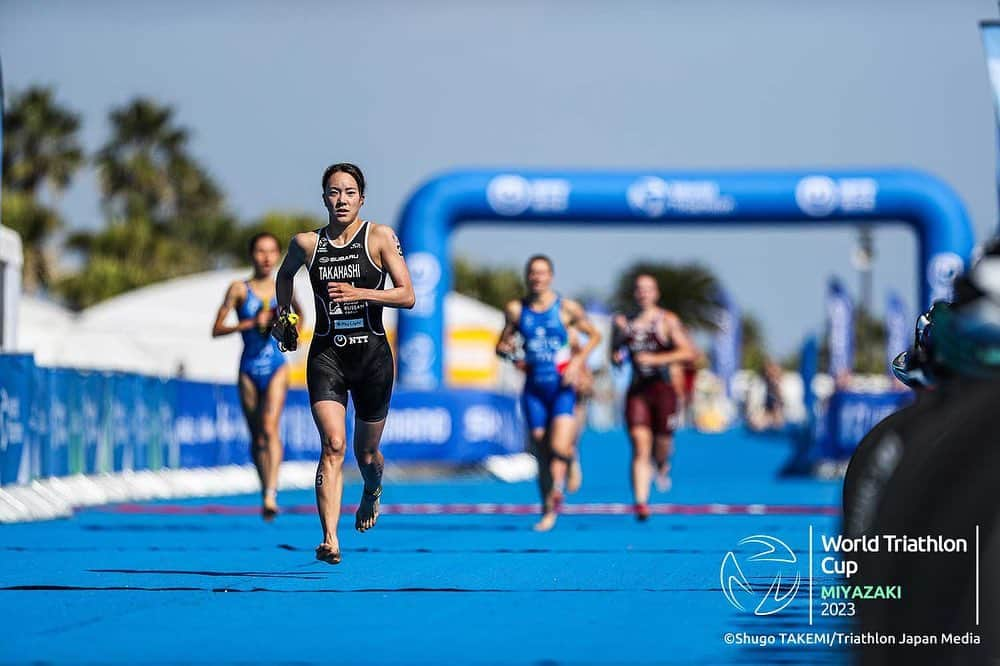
432 589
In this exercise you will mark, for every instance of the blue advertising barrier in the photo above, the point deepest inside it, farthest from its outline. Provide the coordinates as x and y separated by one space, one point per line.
16 390
194 424
850 416
95 406
53 409
298 430
61 421
453 426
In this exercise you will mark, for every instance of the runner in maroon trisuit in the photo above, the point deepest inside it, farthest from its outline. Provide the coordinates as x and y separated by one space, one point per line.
655 339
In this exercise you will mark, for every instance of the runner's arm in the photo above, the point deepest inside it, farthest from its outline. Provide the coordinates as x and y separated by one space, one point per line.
388 249
580 321
577 317
297 309
233 297
505 345
294 260
618 339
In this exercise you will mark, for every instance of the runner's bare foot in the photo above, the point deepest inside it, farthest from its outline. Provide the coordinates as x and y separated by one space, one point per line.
574 476
663 480
367 514
547 522
328 552
269 506
552 507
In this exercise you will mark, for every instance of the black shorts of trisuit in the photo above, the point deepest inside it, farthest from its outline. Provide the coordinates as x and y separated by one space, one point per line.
366 371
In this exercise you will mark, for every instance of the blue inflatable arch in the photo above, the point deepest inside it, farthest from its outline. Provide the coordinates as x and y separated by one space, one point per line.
659 198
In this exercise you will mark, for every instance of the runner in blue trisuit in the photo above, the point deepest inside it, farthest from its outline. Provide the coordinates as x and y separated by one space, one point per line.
263 374
544 321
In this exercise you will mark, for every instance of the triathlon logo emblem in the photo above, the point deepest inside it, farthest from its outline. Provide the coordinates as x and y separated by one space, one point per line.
649 195
425 275
771 563
942 269
817 196
509 194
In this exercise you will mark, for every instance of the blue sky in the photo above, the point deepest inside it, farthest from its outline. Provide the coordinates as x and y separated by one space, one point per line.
274 92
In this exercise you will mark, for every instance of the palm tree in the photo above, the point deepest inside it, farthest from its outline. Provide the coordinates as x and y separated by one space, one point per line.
166 217
40 143
690 290
146 171
40 150
134 163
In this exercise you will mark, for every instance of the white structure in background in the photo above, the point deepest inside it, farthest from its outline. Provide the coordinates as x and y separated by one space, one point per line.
11 260
156 330
749 391
165 329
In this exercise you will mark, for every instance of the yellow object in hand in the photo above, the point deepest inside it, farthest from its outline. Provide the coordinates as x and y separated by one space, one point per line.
265 307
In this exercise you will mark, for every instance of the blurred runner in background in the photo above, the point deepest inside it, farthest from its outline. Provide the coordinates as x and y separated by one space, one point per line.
263 374
655 339
584 387
544 321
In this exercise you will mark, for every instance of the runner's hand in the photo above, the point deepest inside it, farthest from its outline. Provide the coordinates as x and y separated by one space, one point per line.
505 349
572 372
343 292
263 320
285 330
645 359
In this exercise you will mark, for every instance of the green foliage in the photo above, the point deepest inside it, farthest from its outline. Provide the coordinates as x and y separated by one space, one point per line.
282 224
126 255
869 345
753 347
493 286
35 223
690 290
869 336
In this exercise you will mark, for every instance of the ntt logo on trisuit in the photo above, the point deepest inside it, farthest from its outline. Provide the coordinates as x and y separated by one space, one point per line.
342 340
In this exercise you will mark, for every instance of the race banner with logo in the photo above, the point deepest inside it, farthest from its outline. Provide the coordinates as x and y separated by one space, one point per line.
16 390
898 327
991 43
726 342
840 328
